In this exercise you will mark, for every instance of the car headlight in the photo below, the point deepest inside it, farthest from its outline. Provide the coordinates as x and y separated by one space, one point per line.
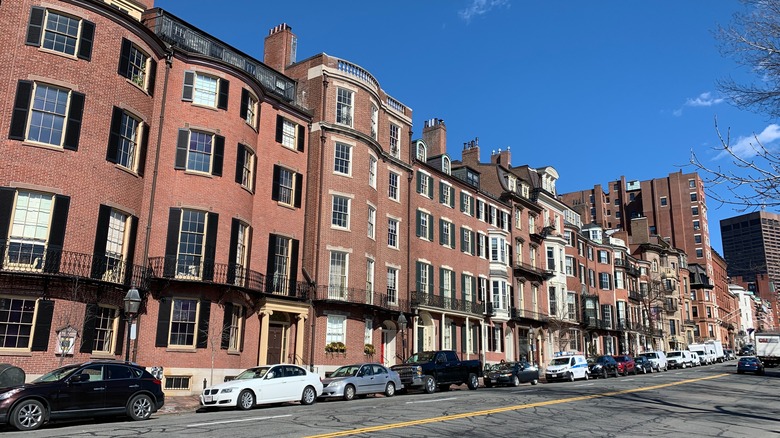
419 370
226 390
336 384
8 394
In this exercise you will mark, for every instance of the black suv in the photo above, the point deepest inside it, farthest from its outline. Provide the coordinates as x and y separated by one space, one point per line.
85 390
603 366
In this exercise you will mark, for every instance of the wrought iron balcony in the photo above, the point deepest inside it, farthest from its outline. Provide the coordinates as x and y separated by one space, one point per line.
671 307
440 302
525 270
634 295
54 262
184 269
518 313
359 296
689 322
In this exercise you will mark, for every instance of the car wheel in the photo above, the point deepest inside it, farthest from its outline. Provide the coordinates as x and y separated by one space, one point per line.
140 407
604 373
635 372
617 373
390 389
587 375
309 396
473 382
28 415
349 392
246 400
429 385
516 381
571 377
644 370
534 381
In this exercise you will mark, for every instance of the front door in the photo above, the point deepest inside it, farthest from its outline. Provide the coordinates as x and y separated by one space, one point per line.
275 343
388 348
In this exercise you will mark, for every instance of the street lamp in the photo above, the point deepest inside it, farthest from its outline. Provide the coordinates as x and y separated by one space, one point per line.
132 304
402 327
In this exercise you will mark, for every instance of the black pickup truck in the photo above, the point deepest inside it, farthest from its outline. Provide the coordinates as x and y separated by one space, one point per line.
438 369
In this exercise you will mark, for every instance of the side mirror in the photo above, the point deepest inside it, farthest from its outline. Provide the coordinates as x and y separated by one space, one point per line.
270 375
80 378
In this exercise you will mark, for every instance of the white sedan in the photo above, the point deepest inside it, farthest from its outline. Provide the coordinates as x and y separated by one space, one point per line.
265 384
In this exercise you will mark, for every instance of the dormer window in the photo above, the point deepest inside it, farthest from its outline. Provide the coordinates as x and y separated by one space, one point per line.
446 165
422 152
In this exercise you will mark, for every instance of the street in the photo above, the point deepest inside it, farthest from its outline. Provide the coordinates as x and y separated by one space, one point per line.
703 401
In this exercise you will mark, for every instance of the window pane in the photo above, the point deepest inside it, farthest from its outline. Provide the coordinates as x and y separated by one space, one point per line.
16 317
193 231
199 156
183 322
205 90
60 33
47 119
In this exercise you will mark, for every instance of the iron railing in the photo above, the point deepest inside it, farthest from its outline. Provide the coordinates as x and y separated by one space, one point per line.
440 302
359 296
517 313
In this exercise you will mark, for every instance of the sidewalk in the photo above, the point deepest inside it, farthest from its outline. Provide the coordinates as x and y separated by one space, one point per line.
180 405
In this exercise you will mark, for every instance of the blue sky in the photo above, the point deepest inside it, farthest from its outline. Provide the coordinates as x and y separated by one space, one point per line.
596 89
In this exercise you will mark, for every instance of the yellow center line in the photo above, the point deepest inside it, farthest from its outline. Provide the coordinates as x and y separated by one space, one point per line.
504 409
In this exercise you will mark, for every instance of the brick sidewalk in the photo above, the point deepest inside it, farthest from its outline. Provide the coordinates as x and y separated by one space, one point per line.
180 405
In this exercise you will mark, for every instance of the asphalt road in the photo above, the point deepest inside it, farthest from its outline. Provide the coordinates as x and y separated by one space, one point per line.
699 402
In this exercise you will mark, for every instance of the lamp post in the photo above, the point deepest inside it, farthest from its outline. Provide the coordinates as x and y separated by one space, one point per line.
402 327
132 304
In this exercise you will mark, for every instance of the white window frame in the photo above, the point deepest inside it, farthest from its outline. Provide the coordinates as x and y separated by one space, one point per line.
372 166
336 329
393 185
344 106
190 322
20 322
289 134
203 93
393 232
371 222
374 121
338 280
194 271
342 159
30 229
395 140
46 30
392 285
335 221
190 152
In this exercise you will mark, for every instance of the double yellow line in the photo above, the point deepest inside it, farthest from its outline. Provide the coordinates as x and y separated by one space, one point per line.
504 409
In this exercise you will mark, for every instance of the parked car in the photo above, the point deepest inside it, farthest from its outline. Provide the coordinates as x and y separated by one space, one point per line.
511 373
729 354
679 359
430 370
626 364
361 379
658 358
643 365
750 364
85 390
695 360
603 366
264 384
567 368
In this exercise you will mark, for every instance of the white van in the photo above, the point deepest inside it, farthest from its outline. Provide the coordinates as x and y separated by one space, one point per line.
658 359
567 368
679 359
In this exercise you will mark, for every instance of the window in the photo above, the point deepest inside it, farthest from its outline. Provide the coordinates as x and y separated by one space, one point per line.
392 186
199 151
288 134
422 152
29 234
374 121
424 278
532 224
127 141
466 204
368 334
47 115
467 241
695 211
344 106
604 281
370 279
482 245
183 327
518 252
603 256
371 222
205 89
395 136
591 278
498 250
663 201
697 238
60 33
424 184
234 326
424 225
16 322
115 245
550 258
337 329
286 187
340 217
136 66
106 319
468 288
480 210
694 197
446 195
446 233
392 285
392 233
619 283
699 253
692 183
281 269
343 160
553 300
695 311
570 266
337 277
447 284
590 253
192 233
241 247
372 171
245 167
696 225
177 382
248 110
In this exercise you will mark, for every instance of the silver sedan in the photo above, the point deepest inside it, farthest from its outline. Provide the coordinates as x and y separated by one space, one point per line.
361 379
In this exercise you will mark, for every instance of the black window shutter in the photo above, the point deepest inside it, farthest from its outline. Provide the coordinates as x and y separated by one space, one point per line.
298 190
189 86
219 152
163 322
85 40
212 224
203 324
224 91
232 250
244 104
42 330
131 240
418 278
35 26
114 135
430 227
101 237
124 59
181 149
418 228
120 334
142 148
301 138
240 163
227 319
243 328
419 182
275 186
152 76
271 260
88 330
294 268
172 242
279 128
59 220
7 196
73 129
441 191
21 110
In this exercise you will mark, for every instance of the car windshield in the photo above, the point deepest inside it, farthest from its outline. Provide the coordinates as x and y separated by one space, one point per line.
560 361
506 366
253 373
58 374
346 371
674 354
650 355
620 359
423 357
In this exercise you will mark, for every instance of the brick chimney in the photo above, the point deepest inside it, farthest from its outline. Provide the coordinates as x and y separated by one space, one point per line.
435 136
503 158
470 154
640 231
280 47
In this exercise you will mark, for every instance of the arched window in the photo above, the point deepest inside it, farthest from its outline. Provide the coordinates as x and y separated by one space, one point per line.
446 166
422 152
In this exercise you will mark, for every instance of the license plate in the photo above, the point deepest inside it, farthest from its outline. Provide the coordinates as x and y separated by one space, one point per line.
554 375
207 398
